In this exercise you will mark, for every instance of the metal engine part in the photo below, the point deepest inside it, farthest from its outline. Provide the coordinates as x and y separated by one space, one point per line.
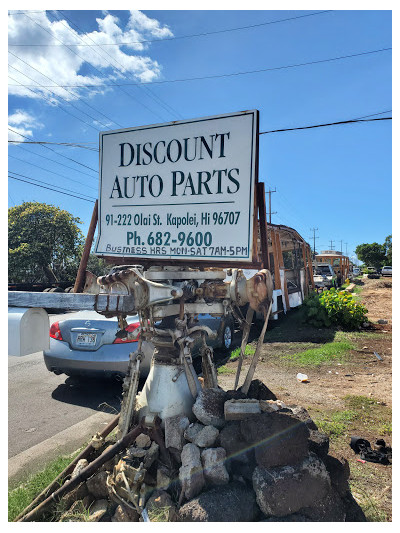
176 295
125 484
167 390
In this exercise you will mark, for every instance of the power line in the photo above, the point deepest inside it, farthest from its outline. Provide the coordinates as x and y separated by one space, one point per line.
85 61
57 162
291 212
97 52
24 12
61 155
215 76
72 145
41 95
69 193
75 145
288 211
51 189
189 36
324 125
48 99
64 89
374 114
155 97
52 184
51 172
290 225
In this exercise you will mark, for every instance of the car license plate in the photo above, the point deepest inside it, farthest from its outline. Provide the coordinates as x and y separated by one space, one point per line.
86 339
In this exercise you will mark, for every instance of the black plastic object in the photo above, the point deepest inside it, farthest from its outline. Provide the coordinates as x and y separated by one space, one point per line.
363 447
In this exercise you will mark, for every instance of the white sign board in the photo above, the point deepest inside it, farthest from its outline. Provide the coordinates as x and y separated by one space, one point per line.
181 190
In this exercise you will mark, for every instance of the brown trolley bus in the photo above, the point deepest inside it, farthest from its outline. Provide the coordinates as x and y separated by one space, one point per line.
290 264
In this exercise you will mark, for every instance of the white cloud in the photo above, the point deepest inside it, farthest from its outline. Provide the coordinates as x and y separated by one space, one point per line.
140 22
63 65
18 134
22 117
22 123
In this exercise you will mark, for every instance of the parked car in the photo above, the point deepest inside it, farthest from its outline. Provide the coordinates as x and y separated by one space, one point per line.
86 344
372 273
386 271
324 276
356 271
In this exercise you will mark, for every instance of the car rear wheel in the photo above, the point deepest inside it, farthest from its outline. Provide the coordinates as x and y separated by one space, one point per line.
227 337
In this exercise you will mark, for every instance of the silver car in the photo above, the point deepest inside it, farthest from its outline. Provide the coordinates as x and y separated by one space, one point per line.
85 344
324 276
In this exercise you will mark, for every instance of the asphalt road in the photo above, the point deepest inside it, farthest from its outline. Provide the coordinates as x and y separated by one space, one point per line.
41 404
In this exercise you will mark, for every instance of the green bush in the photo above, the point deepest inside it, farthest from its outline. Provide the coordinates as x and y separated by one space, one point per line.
314 312
334 307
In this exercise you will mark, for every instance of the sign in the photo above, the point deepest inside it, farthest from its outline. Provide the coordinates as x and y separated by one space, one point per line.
180 190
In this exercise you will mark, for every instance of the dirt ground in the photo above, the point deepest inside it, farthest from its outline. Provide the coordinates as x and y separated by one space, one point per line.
377 298
361 379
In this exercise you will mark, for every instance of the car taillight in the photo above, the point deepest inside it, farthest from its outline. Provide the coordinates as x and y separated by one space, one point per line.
55 332
129 329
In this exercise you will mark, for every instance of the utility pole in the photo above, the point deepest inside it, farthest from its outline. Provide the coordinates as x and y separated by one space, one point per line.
314 237
341 246
331 246
269 192
346 243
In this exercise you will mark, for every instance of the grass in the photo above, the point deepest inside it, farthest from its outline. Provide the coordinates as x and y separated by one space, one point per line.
363 403
385 428
374 415
356 292
366 416
225 370
369 504
355 335
159 514
335 424
249 350
327 353
369 412
77 513
20 497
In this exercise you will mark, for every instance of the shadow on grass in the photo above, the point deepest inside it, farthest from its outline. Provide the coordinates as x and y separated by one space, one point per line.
291 328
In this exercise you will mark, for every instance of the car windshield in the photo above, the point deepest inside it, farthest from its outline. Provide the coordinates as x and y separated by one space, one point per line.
321 270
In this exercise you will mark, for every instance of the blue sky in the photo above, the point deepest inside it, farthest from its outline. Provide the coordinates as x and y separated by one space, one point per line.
336 179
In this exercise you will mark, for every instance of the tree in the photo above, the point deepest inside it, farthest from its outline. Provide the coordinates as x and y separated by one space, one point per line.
43 243
388 249
371 254
97 265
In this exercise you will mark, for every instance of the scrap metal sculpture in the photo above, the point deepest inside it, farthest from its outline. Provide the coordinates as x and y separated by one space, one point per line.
168 301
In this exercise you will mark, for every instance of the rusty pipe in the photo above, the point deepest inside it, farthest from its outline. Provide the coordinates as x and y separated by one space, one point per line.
85 473
69 469
80 276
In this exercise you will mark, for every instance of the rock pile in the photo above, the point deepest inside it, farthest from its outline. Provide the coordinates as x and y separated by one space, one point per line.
243 458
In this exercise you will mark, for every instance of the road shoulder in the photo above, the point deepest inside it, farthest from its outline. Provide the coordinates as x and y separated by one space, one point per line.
67 441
